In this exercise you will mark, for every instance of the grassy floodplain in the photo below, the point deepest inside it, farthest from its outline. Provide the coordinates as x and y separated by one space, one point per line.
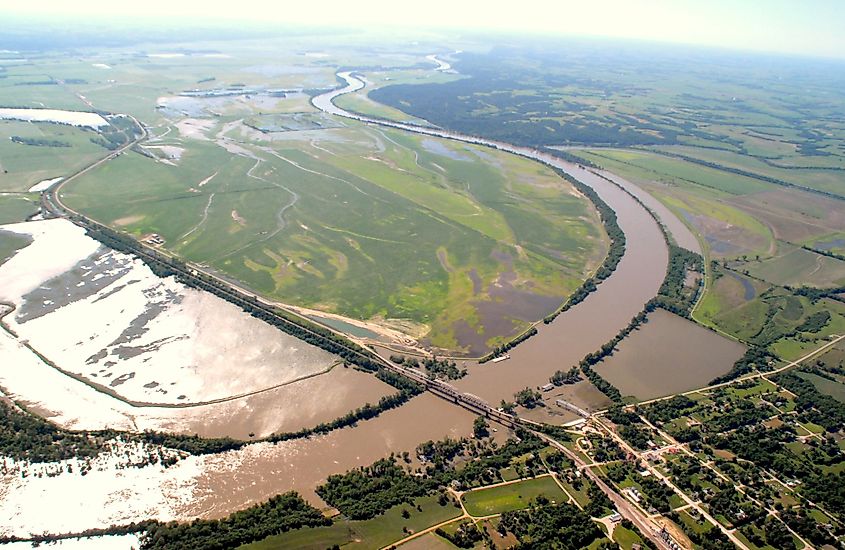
513 496
459 243
460 246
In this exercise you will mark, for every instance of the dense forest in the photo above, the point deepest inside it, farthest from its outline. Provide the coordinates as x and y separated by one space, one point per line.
488 103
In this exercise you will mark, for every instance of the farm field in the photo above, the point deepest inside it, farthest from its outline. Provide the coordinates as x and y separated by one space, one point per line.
821 173
794 266
23 165
16 208
701 197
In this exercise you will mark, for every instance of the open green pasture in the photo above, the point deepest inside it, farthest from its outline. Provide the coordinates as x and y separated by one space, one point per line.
794 266
16 208
514 496
11 243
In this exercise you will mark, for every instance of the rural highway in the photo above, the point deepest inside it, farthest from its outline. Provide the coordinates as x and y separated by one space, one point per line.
623 506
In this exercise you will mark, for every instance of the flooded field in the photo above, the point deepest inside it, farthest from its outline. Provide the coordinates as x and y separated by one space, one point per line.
680 232
668 355
74 118
126 349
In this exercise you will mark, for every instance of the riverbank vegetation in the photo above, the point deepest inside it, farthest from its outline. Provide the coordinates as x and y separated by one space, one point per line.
279 514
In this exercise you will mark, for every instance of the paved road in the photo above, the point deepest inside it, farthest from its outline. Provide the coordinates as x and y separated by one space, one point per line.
623 506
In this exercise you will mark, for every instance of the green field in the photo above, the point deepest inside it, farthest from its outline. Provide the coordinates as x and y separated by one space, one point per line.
16 208
11 243
833 388
370 534
775 159
794 266
514 496
25 165
625 537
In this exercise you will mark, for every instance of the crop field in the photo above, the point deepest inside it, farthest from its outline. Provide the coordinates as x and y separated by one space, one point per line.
794 266
814 174
514 496
11 243
701 197
468 244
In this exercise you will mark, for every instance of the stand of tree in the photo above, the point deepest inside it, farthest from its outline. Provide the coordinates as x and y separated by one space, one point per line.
560 378
39 142
43 538
366 492
614 253
502 349
467 535
436 368
546 526
674 295
279 514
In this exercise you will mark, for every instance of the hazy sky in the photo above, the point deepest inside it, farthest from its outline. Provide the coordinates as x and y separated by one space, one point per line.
815 27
